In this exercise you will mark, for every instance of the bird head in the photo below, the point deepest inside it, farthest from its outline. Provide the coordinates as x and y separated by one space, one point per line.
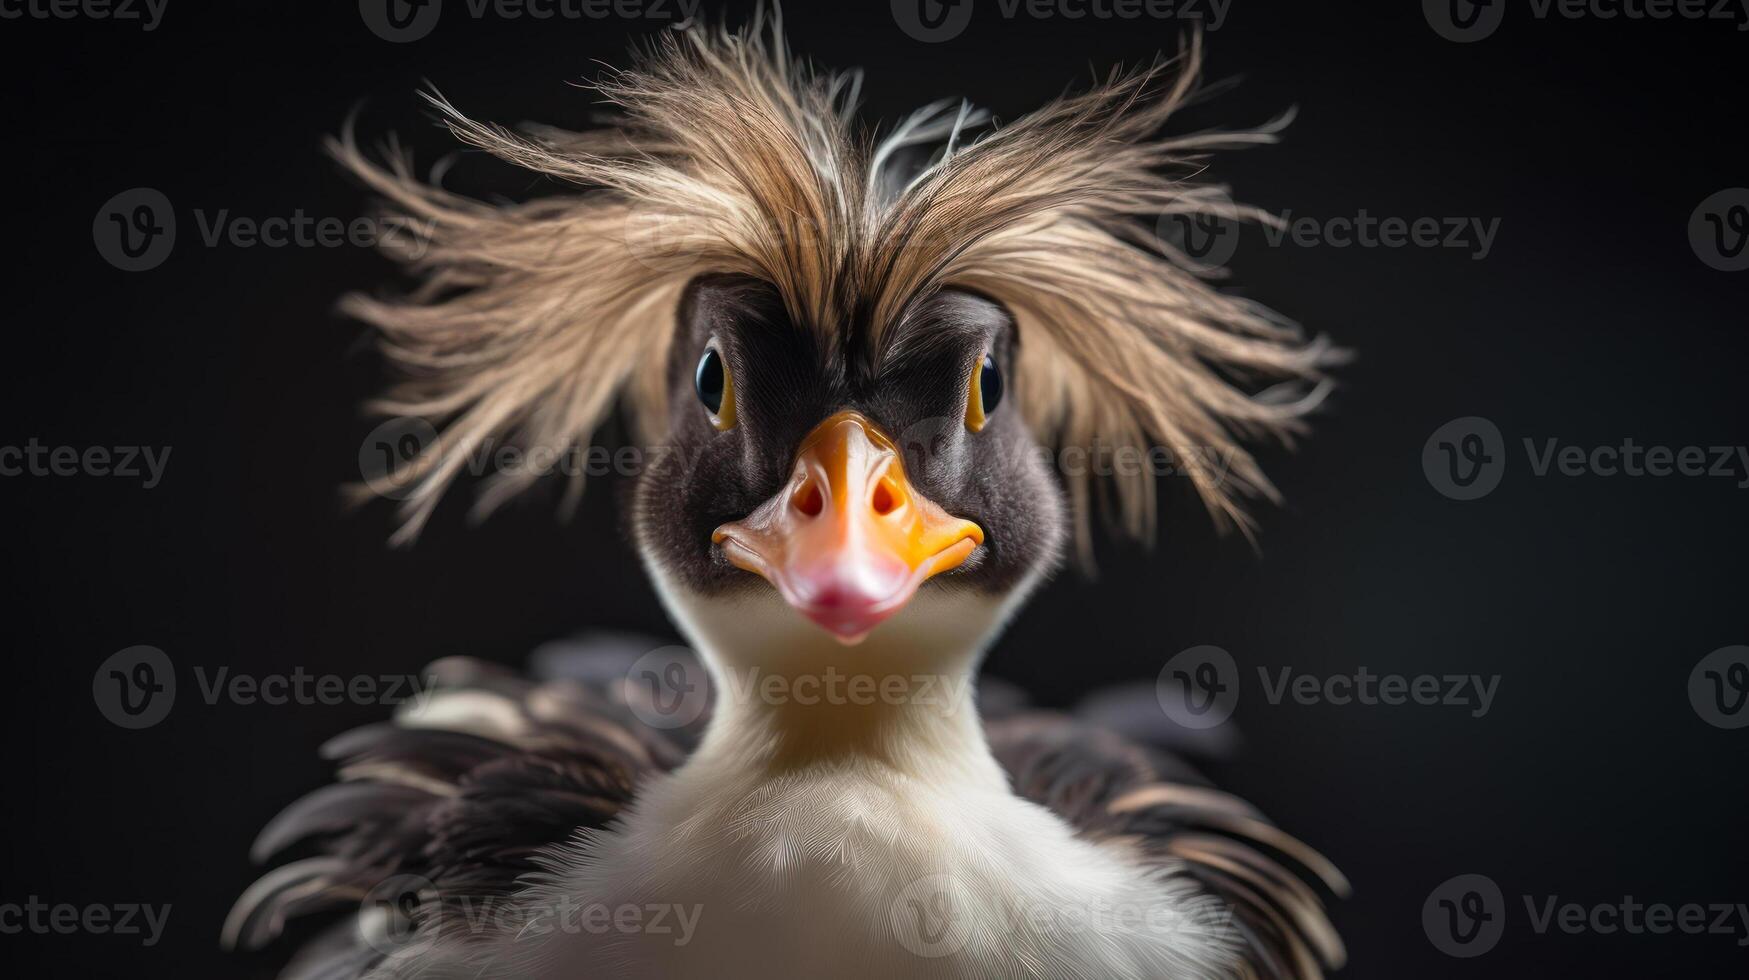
844 479
853 354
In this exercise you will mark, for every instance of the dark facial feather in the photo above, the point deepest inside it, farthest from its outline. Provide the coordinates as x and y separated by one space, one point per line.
786 383
730 157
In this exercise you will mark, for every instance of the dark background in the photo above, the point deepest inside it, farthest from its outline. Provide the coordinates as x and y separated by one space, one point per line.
1592 320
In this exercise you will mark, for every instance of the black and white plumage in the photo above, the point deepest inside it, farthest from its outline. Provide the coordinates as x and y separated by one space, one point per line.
854 355
462 810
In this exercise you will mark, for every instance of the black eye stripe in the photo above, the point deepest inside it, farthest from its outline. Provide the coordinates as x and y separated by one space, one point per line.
708 380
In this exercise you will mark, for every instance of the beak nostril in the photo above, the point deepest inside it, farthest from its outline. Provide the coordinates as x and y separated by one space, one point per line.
884 500
808 500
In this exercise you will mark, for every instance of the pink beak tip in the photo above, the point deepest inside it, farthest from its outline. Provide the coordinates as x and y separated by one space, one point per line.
850 622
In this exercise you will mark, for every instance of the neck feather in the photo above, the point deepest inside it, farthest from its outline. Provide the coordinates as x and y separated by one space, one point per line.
791 698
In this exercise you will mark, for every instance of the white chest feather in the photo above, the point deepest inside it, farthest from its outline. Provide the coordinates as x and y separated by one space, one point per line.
862 842
856 874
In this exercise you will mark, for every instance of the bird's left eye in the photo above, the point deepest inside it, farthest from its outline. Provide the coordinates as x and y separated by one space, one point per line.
716 391
986 392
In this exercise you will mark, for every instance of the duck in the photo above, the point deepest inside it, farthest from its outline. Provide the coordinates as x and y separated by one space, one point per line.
862 358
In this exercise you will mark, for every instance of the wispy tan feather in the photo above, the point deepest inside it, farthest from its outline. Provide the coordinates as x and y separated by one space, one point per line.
729 156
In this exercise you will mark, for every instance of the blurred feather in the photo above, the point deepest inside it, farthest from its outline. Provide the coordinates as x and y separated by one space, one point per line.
554 771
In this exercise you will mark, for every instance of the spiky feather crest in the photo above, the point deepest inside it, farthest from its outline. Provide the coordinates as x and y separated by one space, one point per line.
728 155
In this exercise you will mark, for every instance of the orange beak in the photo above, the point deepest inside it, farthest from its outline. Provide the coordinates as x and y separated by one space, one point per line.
848 540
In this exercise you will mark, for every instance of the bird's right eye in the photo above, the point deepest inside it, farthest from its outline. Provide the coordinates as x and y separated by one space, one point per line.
986 392
715 389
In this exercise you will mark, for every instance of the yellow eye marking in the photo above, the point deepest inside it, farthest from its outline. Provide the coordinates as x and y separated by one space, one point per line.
975 397
724 417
